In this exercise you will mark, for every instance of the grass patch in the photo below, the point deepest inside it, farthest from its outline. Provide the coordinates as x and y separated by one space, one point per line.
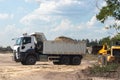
98 69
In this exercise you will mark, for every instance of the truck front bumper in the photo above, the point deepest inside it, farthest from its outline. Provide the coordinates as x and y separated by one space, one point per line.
18 57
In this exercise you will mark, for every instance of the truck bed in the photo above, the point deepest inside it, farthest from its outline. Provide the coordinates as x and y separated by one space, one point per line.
61 47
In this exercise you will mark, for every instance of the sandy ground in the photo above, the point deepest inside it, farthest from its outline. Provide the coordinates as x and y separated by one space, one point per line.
10 70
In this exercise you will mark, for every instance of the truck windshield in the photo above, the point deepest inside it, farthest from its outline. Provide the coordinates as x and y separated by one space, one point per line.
23 40
18 41
26 40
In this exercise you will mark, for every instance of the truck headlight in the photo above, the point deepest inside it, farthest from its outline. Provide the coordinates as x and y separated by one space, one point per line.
18 49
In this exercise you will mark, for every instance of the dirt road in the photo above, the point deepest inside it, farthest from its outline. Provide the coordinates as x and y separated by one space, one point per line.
10 70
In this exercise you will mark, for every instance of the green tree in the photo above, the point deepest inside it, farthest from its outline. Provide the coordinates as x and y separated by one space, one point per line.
112 9
105 40
93 43
116 38
87 42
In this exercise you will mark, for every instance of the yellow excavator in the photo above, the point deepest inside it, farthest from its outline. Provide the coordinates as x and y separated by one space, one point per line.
107 55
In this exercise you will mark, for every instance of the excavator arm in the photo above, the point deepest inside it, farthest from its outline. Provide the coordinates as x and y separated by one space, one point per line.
102 59
103 51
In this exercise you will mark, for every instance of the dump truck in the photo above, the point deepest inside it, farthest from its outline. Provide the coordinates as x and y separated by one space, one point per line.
29 49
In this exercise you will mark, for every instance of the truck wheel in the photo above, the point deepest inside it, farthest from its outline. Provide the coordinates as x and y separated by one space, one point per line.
16 60
23 63
56 63
76 60
65 60
30 60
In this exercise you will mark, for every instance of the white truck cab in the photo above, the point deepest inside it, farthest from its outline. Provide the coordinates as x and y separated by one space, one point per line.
23 44
26 43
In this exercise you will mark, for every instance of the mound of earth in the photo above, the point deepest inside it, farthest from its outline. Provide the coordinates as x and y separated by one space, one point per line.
66 39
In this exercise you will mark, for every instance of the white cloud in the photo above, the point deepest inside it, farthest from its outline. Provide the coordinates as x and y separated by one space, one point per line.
34 18
111 21
67 25
11 31
81 26
48 8
118 22
4 16
99 5
63 26
92 22
40 14
60 1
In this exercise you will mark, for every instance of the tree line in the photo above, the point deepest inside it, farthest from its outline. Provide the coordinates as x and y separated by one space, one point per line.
106 40
5 49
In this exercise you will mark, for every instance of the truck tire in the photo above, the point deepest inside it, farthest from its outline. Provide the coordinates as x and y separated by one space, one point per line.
23 63
30 60
65 60
76 60
16 60
56 63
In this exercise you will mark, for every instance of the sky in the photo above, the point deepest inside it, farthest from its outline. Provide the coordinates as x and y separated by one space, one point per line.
71 18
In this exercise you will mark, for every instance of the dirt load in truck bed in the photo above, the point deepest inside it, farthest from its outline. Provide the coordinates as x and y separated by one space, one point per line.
10 70
66 39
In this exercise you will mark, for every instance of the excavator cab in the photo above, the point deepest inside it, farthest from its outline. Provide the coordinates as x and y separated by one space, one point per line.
115 51
117 43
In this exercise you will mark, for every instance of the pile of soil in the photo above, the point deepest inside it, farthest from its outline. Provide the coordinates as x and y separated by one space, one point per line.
66 39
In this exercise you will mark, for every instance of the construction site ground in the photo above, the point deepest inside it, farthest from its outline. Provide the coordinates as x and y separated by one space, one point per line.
10 70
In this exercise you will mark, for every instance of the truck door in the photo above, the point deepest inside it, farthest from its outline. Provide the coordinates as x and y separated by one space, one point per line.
27 43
